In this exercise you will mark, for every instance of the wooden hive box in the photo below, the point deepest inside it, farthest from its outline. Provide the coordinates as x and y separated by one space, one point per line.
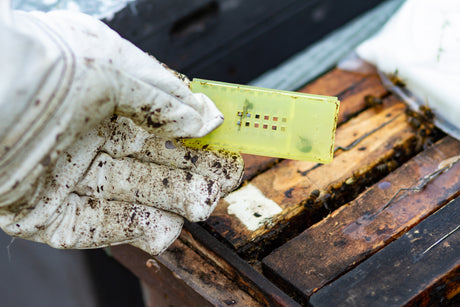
376 226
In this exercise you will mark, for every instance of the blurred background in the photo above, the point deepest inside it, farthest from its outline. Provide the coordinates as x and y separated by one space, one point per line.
231 40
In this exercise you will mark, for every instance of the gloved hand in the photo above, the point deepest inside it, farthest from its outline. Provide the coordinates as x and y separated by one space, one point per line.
88 122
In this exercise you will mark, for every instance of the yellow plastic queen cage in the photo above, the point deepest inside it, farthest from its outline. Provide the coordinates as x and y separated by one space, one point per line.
268 122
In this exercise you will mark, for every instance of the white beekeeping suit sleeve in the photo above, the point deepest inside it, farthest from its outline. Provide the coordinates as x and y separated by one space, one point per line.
421 42
88 122
36 74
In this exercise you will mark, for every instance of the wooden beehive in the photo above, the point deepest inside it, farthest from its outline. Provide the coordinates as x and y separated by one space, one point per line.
376 226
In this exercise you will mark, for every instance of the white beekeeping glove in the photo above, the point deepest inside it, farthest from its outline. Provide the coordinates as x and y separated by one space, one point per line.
88 122
421 42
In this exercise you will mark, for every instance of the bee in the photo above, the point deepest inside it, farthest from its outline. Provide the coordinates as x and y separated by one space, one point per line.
396 80
427 112
382 168
422 121
372 101
386 167
314 194
312 198
422 118
415 119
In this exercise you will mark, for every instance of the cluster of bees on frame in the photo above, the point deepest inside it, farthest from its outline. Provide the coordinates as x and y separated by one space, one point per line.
421 120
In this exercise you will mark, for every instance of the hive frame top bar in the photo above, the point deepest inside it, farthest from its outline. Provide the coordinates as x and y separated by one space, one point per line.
269 122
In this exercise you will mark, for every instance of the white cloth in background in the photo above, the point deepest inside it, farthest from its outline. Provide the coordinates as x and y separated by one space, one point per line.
421 42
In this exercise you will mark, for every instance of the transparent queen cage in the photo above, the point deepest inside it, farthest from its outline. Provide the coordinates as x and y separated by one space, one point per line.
268 122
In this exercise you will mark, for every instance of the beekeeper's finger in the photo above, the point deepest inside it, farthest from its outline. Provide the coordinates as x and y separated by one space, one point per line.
86 222
129 139
163 112
127 179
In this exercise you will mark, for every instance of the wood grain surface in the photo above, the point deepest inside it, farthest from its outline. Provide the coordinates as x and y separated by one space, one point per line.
419 269
378 226
349 235
371 144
